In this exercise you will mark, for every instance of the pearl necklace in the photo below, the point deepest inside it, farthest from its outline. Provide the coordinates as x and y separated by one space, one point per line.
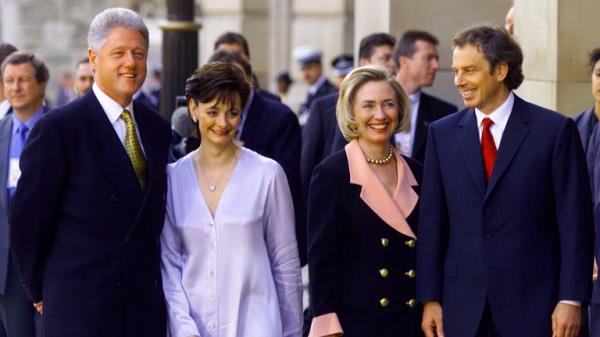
384 160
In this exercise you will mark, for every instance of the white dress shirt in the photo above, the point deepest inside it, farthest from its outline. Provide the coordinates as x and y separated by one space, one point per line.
4 107
405 140
113 111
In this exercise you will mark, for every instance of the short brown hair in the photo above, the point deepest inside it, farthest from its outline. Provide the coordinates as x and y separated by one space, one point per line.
406 46
352 83
217 80
498 47
20 57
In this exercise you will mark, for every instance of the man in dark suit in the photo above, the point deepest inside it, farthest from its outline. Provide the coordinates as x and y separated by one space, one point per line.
24 79
238 43
505 225
417 61
309 61
321 135
587 123
89 208
271 129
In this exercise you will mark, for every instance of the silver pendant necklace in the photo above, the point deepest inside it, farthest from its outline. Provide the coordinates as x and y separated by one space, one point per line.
212 187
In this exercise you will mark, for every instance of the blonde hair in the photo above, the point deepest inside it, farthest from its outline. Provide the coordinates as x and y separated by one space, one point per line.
352 83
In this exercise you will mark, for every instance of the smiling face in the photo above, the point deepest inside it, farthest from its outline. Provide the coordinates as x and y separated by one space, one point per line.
480 87
375 111
120 64
217 121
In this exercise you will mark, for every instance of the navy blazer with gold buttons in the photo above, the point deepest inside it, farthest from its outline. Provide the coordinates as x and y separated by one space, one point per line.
360 267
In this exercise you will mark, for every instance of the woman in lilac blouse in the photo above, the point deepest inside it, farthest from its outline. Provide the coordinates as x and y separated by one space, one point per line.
229 258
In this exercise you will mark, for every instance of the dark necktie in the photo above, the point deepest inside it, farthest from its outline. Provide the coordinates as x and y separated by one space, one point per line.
488 148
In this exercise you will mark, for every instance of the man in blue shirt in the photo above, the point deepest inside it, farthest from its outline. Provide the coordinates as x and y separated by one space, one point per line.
24 79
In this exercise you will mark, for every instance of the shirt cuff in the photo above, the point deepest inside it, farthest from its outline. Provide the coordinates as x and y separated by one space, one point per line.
325 325
575 303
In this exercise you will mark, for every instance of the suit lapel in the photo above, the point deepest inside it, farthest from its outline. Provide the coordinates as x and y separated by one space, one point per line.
5 131
515 132
110 153
251 119
468 138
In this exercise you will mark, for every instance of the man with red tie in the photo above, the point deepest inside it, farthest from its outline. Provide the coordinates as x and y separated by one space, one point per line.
505 231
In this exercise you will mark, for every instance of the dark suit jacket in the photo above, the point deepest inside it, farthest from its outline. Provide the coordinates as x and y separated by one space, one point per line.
430 109
523 241
585 122
346 253
272 130
6 125
325 89
85 238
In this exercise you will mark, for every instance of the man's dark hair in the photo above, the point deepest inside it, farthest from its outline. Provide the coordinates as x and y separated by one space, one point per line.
217 80
82 61
406 46
234 38
20 57
5 50
370 42
230 56
594 58
498 47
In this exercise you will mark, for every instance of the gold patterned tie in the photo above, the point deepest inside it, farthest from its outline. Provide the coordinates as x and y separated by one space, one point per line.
133 148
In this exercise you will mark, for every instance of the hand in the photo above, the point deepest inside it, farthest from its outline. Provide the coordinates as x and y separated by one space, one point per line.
39 306
335 335
595 272
566 320
432 324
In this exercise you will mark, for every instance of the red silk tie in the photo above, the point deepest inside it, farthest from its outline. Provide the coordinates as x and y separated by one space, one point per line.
488 148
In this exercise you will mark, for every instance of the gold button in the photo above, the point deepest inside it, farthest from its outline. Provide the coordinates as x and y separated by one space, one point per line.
411 273
384 272
384 302
385 242
411 303
411 243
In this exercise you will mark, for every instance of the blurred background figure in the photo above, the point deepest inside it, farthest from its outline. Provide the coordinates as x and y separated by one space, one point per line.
311 68
362 218
84 77
342 65
149 94
185 138
284 81
5 50
65 89
509 20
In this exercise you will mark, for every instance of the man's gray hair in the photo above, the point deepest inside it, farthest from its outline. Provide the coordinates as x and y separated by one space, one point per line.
111 18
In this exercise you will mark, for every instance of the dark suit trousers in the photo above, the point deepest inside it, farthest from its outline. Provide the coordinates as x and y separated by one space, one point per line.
16 311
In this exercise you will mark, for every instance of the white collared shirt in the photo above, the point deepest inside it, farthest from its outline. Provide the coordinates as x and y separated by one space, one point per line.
4 107
113 111
499 117
405 140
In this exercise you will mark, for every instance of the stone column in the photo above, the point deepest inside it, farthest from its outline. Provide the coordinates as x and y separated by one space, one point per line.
441 18
280 24
179 52
556 37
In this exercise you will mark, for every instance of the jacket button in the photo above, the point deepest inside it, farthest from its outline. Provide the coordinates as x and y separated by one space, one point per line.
384 302
411 273
487 236
385 242
384 272
411 303
113 197
411 243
